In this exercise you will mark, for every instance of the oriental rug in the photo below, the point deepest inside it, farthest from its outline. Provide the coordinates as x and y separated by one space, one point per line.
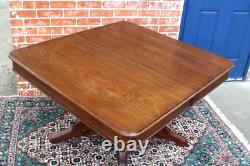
27 123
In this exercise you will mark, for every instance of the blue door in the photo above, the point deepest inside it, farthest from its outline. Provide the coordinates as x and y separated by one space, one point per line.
221 27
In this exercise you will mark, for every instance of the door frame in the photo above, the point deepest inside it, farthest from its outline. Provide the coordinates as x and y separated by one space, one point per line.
183 19
181 31
246 68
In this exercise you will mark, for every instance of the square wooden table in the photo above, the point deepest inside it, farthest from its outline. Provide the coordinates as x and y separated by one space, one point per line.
121 80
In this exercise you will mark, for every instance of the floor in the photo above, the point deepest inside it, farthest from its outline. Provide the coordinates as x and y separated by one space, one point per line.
7 77
233 99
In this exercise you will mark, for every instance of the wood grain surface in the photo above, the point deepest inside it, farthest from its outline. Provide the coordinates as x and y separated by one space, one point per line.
121 79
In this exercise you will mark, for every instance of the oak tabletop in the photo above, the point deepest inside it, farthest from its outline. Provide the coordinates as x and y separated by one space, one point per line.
121 77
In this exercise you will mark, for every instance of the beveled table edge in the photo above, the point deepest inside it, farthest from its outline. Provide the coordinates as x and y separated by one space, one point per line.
111 131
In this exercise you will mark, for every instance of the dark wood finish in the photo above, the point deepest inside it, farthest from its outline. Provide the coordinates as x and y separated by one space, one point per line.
167 134
78 129
121 79
122 158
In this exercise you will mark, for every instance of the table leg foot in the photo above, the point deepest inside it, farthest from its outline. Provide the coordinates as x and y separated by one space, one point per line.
77 129
167 134
122 158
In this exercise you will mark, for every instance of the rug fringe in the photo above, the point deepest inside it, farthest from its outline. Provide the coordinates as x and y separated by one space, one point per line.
234 129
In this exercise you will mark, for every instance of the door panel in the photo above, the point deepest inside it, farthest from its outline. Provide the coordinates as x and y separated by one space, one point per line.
221 27
207 25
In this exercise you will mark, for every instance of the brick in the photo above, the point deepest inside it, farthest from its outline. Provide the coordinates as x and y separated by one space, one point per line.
167 13
30 31
158 5
15 4
111 20
101 13
76 13
23 13
170 5
169 29
164 21
17 31
27 93
170 21
138 20
37 22
50 30
137 4
18 39
154 28
153 20
175 20
176 5
88 21
21 79
23 86
37 39
15 22
114 4
54 36
49 13
89 4
172 35
63 21
69 30
152 13
35 4
125 12
94 26
62 4
16 45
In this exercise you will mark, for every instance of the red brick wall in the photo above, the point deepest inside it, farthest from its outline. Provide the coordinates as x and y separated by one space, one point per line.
36 21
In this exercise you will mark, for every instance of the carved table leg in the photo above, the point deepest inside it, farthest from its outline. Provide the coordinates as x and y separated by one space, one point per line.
167 134
78 129
122 158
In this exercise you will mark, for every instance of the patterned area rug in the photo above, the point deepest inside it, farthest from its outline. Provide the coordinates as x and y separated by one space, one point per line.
27 123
